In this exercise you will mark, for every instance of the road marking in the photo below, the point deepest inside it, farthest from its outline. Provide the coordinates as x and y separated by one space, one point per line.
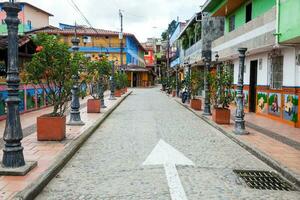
164 154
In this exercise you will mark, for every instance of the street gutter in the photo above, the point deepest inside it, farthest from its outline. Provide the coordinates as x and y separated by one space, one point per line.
33 190
281 169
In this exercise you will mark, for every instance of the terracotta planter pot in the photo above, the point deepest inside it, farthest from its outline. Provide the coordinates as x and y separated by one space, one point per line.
221 115
173 93
93 106
196 104
123 90
118 93
51 128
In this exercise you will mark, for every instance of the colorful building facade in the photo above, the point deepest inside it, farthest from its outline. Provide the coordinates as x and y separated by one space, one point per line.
30 18
272 67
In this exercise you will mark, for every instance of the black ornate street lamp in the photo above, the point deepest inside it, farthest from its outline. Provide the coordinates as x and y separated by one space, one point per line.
101 86
218 75
190 83
177 83
75 119
239 115
112 81
13 151
207 110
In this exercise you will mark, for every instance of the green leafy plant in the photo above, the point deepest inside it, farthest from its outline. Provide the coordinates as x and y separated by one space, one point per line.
52 69
197 80
197 30
185 42
98 73
190 34
220 87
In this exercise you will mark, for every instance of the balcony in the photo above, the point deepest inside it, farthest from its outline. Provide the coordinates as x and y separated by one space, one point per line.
193 53
256 35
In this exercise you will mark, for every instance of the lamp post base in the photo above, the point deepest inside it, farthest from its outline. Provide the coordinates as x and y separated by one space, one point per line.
112 98
75 123
19 171
240 132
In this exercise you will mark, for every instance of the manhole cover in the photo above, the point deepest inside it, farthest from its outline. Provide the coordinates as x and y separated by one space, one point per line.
264 180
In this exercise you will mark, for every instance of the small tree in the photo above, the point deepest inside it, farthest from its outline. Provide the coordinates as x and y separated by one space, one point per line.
52 69
220 87
97 73
197 80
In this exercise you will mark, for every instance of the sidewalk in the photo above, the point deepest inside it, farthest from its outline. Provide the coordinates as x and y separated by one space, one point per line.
51 155
28 120
278 141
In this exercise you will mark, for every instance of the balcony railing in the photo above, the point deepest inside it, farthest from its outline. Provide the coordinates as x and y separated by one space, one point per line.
254 34
195 48
192 54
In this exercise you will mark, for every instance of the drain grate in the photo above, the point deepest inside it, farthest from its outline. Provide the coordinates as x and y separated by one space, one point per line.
264 180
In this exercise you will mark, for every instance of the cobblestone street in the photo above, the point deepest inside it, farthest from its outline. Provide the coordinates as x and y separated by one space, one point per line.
110 164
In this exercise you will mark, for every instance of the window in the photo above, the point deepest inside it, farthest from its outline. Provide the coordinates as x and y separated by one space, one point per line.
231 23
249 12
276 72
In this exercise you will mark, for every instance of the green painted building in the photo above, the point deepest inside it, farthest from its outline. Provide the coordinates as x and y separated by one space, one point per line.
270 30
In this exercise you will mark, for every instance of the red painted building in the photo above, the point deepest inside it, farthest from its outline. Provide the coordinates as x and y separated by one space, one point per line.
149 56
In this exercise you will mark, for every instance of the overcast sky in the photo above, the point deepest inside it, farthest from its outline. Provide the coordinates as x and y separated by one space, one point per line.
144 18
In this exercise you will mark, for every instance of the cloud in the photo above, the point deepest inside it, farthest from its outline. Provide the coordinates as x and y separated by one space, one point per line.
144 18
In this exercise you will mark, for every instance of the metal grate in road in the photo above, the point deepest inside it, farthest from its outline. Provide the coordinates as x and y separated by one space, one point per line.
264 180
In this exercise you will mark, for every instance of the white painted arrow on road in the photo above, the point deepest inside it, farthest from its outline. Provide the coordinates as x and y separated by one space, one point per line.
164 154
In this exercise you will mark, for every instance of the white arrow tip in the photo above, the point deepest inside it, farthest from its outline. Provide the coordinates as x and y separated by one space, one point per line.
164 153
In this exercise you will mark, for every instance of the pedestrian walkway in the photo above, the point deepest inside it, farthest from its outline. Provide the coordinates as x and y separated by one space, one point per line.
28 120
277 140
153 148
48 153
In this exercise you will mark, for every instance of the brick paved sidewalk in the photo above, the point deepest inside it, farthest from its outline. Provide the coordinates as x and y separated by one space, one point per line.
45 153
277 140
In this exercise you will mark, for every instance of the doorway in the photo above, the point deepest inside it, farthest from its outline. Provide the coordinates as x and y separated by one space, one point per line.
253 85
134 81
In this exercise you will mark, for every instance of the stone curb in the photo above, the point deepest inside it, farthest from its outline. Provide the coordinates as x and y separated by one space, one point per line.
284 171
32 190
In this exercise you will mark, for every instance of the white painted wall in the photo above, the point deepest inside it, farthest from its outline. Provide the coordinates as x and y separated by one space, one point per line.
289 67
291 72
297 70
262 73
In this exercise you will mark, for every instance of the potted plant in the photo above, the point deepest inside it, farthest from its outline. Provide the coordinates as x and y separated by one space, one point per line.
196 85
124 79
52 68
118 84
173 85
98 72
220 94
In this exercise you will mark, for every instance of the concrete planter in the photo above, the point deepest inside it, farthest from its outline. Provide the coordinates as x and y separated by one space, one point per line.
51 128
221 115
93 106
196 104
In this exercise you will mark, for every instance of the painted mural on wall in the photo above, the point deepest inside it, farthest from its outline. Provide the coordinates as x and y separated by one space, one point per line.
262 102
291 107
275 104
40 98
30 99
3 96
22 102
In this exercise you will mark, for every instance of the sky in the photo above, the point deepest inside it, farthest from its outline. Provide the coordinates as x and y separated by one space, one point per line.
144 18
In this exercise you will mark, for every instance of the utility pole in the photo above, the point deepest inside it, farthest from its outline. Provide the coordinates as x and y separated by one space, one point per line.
168 56
121 40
